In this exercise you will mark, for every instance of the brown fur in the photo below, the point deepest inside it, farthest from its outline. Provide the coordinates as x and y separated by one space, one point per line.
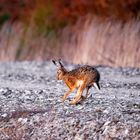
82 78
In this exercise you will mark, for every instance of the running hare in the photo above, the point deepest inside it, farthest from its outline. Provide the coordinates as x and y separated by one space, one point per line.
83 77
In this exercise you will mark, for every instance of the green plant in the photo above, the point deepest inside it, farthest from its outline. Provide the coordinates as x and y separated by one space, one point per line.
3 18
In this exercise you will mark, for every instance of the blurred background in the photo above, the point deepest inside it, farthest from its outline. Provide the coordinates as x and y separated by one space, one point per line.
97 32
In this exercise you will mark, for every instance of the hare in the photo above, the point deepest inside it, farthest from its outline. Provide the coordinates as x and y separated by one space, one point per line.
83 77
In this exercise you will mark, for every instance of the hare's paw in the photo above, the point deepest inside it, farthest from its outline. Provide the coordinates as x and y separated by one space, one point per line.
73 102
63 98
82 98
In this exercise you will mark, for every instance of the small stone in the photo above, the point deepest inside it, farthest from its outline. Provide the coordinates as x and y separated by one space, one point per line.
107 123
4 115
126 131
22 120
106 111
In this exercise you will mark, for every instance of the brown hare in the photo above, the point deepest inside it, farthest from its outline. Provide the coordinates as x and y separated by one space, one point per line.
83 77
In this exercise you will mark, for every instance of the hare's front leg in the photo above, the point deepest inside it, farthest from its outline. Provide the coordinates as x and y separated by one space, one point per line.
78 95
66 95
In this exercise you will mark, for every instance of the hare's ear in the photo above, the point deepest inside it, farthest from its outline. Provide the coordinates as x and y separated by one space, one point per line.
60 63
55 63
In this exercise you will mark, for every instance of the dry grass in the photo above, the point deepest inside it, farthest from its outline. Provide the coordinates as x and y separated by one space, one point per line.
92 41
110 42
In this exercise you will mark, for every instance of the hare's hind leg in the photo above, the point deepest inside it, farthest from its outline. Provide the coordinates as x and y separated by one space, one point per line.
87 91
78 95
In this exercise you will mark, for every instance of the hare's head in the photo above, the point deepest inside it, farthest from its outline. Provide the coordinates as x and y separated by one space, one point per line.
61 70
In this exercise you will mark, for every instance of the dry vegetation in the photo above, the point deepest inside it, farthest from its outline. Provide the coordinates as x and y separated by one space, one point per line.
94 32
96 42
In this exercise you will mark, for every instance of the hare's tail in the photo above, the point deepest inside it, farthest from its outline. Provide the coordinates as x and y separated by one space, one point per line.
96 85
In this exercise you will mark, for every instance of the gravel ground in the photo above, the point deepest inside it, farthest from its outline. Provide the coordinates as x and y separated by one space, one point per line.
31 107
